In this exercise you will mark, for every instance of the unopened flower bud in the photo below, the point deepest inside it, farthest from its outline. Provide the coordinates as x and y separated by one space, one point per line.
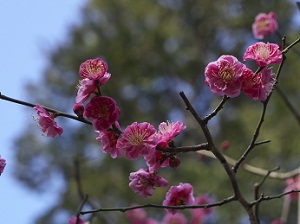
174 162
2 165
78 109
225 145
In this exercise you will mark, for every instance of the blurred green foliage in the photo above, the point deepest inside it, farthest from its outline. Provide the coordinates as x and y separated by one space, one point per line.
155 49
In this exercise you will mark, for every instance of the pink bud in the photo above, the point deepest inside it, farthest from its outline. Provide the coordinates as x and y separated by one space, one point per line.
225 145
2 165
174 162
78 109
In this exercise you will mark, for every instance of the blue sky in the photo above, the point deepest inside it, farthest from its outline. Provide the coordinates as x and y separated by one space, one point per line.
28 28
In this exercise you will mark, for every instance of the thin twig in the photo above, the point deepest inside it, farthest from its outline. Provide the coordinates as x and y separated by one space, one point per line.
184 149
51 110
288 104
257 189
218 108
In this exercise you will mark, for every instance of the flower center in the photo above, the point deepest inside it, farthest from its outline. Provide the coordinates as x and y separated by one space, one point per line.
263 24
136 140
226 74
263 52
94 67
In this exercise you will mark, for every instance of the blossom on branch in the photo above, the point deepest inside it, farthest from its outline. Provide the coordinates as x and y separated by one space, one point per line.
108 139
88 87
143 182
138 139
46 121
103 112
224 76
167 131
292 184
156 159
199 215
264 25
263 53
93 69
177 218
179 195
2 165
257 86
74 220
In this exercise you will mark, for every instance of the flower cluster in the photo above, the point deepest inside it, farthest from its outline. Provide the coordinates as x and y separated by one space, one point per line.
227 76
138 140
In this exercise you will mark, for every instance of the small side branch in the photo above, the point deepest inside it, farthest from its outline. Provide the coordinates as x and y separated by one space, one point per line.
218 108
51 110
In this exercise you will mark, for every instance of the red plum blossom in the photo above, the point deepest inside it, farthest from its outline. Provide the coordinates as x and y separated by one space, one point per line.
263 53
179 195
264 25
88 87
292 184
177 218
143 182
138 139
167 131
74 220
46 121
199 215
103 112
224 76
108 139
257 86
93 69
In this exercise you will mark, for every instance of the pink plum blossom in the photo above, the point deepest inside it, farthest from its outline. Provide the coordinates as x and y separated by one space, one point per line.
177 218
108 139
93 69
88 87
138 139
156 159
137 216
2 165
73 220
292 184
224 76
46 121
103 112
179 195
264 25
143 182
258 86
263 53
199 215
167 131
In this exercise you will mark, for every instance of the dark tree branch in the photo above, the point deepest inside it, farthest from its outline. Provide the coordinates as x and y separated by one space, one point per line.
184 149
182 207
231 175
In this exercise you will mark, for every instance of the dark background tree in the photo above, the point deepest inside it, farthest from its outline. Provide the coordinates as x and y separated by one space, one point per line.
155 49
